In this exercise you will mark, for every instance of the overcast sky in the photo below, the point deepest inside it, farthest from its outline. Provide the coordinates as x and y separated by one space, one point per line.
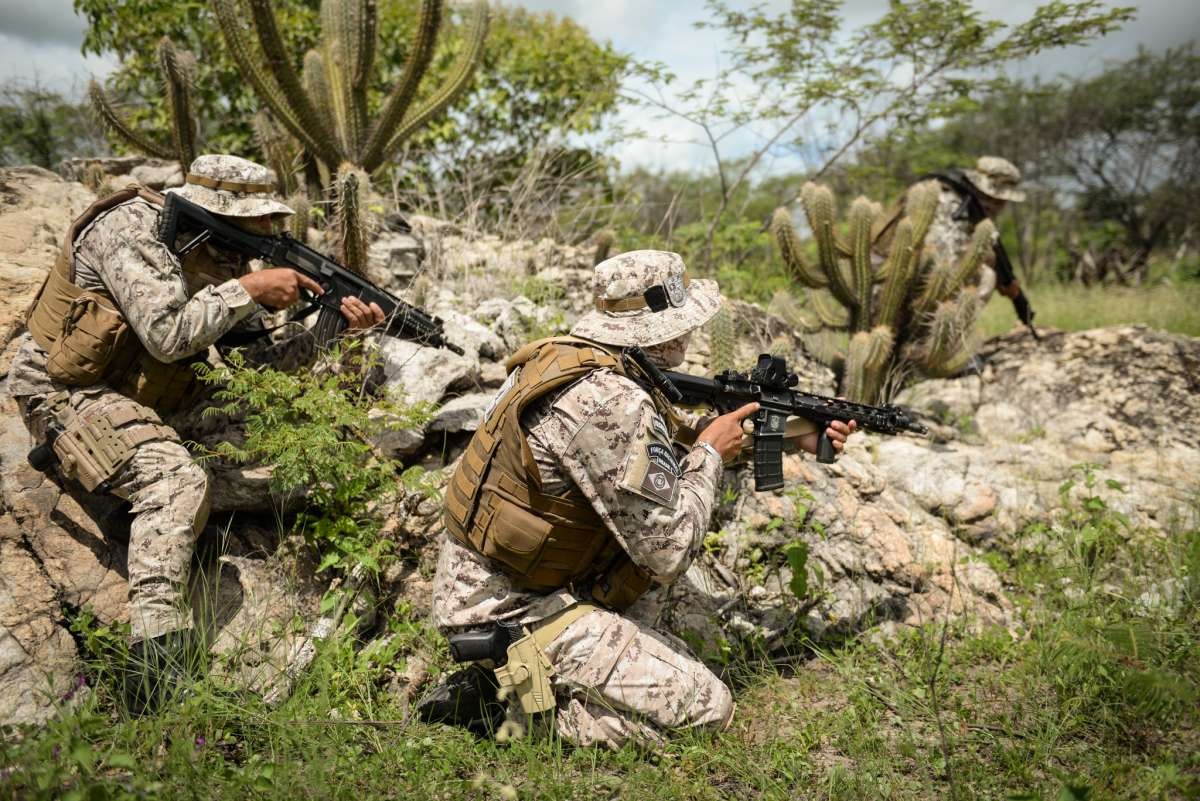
40 39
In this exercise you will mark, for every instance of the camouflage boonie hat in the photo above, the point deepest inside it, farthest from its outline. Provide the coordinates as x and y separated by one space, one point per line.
645 297
231 186
996 177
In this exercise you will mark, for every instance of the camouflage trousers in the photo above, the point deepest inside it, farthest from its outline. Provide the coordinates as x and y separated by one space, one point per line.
620 681
169 493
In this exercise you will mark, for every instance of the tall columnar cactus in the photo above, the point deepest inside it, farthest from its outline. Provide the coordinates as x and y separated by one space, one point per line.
352 225
178 70
325 105
900 309
722 341
280 151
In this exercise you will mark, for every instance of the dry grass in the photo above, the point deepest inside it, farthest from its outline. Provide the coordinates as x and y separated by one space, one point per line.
1174 308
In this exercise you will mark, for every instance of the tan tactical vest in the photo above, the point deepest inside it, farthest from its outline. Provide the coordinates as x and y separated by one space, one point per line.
86 337
494 502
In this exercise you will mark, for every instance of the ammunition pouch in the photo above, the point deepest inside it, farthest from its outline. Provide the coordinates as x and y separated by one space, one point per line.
96 446
621 584
165 387
93 333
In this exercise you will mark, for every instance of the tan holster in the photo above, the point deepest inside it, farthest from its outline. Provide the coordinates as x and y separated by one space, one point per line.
528 671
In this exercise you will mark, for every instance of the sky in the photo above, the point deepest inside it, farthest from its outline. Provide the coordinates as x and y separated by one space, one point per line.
40 40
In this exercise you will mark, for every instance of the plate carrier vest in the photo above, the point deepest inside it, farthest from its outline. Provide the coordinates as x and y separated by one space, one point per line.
494 502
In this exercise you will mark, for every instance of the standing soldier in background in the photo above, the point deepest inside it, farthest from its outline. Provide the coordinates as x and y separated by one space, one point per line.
968 197
570 503
113 339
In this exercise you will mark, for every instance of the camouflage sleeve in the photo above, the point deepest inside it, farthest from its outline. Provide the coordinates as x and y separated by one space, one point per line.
658 508
147 283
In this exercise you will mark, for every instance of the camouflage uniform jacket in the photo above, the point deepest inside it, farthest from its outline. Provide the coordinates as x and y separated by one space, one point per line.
595 434
950 234
119 252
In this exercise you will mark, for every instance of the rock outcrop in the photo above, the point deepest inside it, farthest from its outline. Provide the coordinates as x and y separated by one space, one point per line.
1120 402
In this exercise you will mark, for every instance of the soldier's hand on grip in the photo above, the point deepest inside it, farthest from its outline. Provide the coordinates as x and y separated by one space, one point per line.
278 287
725 433
359 315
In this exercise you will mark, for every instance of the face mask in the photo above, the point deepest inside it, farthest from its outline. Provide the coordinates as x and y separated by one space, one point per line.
669 355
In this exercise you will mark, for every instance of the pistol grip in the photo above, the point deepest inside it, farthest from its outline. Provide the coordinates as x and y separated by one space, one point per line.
825 452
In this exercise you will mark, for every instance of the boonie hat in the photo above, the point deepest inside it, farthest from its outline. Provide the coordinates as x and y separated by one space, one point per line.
645 297
996 177
232 186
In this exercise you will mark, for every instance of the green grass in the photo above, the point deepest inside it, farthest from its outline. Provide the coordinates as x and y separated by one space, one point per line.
1092 695
1071 307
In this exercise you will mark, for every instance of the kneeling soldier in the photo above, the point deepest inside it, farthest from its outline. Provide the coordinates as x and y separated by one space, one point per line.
570 503
112 342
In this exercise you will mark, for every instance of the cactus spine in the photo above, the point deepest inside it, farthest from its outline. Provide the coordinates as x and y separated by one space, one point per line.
899 308
178 68
325 107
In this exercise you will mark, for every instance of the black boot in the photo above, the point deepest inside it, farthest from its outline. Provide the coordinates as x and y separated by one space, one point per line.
468 699
157 671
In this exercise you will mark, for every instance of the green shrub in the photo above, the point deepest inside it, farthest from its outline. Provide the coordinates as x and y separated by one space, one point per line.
313 427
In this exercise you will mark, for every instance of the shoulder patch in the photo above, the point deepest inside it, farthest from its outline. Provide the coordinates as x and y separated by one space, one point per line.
651 469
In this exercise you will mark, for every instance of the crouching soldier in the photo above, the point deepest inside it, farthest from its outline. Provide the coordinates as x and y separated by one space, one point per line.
112 342
569 503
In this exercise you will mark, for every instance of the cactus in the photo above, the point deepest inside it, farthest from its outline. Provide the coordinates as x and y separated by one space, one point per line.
793 251
325 107
722 341
866 360
178 68
352 228
604 240
281 152
899 309
302 218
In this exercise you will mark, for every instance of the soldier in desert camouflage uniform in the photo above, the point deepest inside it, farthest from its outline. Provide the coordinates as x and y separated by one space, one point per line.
117 277
601 454
994 181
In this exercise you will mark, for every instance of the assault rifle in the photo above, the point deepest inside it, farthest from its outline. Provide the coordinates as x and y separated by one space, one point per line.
770 385
181 216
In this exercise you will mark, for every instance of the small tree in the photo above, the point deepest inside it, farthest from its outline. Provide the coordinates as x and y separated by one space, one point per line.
786 70
902 312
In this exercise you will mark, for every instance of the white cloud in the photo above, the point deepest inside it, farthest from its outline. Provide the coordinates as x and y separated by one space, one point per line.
55 66
48 21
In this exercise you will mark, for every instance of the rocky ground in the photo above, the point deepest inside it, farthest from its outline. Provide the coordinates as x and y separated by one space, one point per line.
896 530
